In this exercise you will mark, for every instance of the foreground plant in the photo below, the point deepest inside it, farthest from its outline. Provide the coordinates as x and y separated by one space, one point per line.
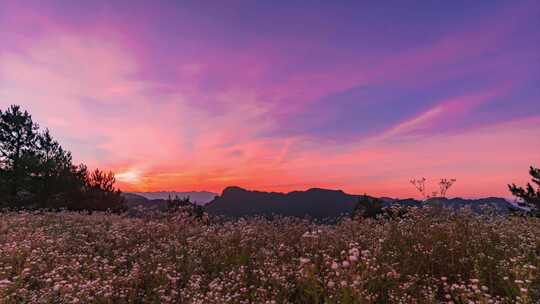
427 256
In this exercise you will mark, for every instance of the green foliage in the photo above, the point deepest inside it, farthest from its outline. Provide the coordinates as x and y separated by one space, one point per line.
36 172
185 204
529 196
98 192
368 207
18 136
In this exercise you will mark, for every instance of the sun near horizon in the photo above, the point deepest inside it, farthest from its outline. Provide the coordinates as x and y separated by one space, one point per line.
283 96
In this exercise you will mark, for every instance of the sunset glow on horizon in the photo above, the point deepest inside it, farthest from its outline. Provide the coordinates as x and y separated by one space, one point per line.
282 96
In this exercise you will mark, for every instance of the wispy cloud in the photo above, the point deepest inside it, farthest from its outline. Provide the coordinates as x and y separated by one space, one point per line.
175 96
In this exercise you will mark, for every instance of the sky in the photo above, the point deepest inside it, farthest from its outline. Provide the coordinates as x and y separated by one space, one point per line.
283 95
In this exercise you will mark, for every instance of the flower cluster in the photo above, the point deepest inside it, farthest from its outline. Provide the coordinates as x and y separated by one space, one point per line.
425 256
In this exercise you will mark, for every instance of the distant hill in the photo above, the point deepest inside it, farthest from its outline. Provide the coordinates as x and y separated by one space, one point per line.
199 197
322 203
499 205
316 203
134 200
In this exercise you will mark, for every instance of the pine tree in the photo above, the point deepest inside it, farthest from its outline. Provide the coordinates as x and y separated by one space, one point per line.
36 172
18 135
54 170
529 196
99 192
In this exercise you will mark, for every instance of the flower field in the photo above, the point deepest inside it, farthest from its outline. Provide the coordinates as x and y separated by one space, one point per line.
426 256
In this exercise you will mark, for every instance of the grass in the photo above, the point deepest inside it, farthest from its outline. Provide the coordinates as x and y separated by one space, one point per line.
428 256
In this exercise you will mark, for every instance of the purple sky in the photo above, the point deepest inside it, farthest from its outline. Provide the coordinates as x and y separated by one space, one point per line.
283 95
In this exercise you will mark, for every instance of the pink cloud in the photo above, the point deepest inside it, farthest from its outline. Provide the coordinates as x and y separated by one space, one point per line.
450 110
204 127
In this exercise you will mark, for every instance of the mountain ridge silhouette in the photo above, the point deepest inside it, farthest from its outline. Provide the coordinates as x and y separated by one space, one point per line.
319 203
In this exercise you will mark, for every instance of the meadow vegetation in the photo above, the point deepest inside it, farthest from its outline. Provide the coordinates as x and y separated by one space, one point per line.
427 255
